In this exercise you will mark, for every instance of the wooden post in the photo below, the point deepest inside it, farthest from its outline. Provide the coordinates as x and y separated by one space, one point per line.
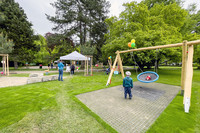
110 62
87 66
91 62
112 69
120 65
7 66
184 60
188 79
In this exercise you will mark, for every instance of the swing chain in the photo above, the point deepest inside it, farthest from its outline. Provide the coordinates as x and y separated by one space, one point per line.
135 63
156 62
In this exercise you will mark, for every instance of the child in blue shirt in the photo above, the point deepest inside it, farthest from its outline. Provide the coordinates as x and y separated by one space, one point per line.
128 85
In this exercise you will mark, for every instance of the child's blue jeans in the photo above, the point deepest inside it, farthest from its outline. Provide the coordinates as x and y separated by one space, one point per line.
127 90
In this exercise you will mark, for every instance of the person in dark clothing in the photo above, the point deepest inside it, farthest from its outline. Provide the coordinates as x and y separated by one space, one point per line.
72 68
128 85
108 70
51 65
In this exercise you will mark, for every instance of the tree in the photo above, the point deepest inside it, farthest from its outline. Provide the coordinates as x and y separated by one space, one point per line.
42 55
191 29
158 25
151 3
6 46
87 49
82 20
58 45
17 28
197 25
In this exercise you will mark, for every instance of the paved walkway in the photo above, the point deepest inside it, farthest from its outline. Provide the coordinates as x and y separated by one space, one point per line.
16 81
130 116
12 81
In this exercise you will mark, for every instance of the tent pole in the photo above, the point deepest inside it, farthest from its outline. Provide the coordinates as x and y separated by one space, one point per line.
91 62
87 66
7 66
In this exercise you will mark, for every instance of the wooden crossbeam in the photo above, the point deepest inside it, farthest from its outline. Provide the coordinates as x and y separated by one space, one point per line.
162 46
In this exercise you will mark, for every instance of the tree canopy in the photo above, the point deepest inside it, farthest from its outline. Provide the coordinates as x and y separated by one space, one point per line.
81 21
161 24
17 28
6 46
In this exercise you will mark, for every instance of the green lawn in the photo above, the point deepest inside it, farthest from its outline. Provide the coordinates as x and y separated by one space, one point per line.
53 107
174 119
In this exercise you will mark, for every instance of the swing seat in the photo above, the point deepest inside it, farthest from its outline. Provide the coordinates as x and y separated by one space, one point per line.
142 77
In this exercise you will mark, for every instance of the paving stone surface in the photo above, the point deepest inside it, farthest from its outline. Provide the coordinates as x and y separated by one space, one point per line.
130 116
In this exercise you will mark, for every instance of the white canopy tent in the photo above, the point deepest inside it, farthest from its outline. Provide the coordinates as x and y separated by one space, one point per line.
75 56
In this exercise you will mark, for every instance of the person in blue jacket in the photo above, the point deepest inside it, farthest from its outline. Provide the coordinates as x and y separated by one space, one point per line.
128 85
60 69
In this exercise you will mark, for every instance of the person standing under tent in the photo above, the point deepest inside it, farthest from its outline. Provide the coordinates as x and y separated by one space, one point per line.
72 68
60 69
128 85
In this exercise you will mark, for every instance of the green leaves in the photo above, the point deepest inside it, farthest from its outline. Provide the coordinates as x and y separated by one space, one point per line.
17 28
159 24
6 46
82 20
87 49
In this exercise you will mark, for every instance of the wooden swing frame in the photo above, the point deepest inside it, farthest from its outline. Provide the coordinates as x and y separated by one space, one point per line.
5 64
187 68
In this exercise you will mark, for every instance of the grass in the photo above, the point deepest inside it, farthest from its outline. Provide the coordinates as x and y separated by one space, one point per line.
174 119
53 107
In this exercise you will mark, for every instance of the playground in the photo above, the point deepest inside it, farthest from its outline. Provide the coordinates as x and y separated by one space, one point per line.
70 71
54 106
105 106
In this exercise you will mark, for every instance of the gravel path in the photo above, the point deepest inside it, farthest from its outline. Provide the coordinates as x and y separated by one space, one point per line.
12 81
15 81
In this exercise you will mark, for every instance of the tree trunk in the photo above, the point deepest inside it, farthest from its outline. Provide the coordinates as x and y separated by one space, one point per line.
81 34
85 34
149 66
16 64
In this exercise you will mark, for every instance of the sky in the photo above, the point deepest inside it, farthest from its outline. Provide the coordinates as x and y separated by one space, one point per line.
36 10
